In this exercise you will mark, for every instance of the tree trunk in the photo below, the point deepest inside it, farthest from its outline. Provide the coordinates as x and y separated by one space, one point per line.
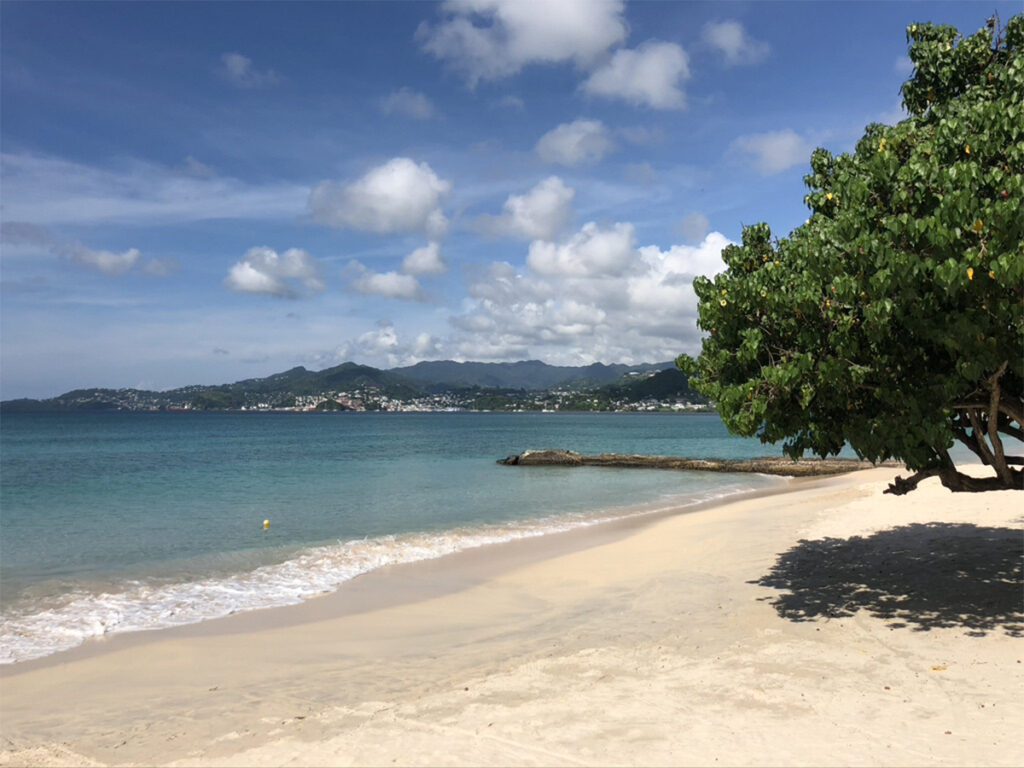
957 482
978 425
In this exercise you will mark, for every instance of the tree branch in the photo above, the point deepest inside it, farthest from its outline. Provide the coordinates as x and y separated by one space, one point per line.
1012 431
902 486
1015 412
986 454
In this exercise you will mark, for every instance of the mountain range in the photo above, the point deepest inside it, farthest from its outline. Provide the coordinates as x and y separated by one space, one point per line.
444 382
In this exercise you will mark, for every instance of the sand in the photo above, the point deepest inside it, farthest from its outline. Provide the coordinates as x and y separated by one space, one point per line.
827 625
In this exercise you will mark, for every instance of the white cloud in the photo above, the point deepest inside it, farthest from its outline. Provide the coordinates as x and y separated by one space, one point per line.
291 275
540 214
52 191
382 341
731 40
591 252
649 76
426 347
491 39
775 151
615 303
385 347
577 143
695 226
398 196
391 285
642 308
408 103
425 261
107 262
240 72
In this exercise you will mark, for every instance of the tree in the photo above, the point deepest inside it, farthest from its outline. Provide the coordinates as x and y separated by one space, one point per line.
893 319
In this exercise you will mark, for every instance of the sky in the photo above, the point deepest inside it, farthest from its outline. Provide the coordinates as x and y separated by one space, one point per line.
196 193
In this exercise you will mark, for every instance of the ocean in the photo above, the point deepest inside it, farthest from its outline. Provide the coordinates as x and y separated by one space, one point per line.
117 522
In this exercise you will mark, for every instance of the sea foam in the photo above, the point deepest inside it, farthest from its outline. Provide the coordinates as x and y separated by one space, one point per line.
32 629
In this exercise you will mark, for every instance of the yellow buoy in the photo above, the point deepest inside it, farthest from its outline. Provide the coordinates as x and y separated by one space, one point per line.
266 525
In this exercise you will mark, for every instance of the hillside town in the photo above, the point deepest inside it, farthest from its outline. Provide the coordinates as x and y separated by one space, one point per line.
369 399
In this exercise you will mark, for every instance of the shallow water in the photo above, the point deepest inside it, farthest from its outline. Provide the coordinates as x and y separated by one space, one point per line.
119 522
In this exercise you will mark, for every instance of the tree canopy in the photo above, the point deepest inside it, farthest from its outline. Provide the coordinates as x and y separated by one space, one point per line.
893 319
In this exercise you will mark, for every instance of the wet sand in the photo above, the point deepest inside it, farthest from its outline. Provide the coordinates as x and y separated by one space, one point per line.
891 636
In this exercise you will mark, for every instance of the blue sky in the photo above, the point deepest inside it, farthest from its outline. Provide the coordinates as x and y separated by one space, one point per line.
203 192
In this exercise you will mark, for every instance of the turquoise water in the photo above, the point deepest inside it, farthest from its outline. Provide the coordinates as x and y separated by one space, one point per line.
119 522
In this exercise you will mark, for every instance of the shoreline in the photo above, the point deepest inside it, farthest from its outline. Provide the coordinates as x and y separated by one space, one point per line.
666 641
399 583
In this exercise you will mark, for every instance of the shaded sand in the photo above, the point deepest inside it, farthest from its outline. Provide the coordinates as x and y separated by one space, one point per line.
892 635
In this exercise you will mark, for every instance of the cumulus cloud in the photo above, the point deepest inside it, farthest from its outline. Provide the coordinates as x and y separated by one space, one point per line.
403 284
292 274
240 72
731 40
390 285
774 151
492 39
597 297
649 76
695 226
400 196
591 252
540 214
616 302
426 347
385 347
408 103
382 341
580 142
425 261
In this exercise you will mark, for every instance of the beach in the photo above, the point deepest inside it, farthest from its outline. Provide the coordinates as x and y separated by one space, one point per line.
823 624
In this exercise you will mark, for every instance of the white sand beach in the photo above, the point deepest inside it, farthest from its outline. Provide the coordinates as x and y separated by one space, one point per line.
894 635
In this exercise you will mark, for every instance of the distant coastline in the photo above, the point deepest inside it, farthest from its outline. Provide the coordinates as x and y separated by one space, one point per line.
445 387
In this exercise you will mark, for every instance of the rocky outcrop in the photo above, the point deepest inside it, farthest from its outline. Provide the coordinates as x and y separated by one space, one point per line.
766 466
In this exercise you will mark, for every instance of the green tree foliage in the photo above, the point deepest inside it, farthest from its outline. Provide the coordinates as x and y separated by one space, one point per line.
893 319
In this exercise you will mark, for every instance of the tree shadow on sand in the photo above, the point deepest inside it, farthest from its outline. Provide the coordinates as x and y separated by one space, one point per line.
920 576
